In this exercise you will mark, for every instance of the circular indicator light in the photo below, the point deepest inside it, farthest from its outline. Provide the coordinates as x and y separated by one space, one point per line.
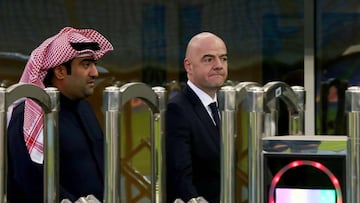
298 163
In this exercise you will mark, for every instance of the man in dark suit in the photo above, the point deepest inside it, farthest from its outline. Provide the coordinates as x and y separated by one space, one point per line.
66 61
193 137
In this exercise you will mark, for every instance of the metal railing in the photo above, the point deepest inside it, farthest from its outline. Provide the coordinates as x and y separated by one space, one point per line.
114 100
48 99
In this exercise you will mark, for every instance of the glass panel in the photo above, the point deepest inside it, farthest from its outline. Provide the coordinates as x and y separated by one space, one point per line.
265 41
337 61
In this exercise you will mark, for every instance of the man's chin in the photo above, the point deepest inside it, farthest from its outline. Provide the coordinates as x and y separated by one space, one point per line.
218 84
89 93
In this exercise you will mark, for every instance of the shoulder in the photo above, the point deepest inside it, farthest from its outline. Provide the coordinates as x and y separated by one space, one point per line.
19 108
179 102
185 96
17 113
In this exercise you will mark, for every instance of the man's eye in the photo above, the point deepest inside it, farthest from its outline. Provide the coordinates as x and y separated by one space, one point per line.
224 58
208 59
89 63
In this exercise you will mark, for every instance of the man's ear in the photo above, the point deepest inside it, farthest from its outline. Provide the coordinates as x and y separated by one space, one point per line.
187 65
60 72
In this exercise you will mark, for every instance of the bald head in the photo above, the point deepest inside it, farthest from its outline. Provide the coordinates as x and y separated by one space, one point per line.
200 40
206 62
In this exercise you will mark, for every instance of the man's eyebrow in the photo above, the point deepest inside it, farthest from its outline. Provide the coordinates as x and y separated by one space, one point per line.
208 55
211 55
88 60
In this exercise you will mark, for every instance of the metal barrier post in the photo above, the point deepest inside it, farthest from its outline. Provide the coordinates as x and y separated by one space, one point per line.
229 100
159 148
227 108
352 96
48 99
254 105
3 149
297 121
51 147
121 96
111 104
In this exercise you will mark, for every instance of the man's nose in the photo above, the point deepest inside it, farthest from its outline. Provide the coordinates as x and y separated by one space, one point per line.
218 63
94 72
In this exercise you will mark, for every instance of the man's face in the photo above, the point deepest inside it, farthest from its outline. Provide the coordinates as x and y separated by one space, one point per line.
81 82
207 64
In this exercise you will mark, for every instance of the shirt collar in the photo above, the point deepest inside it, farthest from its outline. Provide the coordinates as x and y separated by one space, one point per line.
205 98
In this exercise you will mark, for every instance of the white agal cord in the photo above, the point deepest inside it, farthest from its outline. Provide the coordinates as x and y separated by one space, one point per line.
87 199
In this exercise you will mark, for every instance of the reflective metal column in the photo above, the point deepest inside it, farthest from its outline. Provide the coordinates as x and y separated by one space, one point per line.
3 146
114 99
352 98
255 107
111 105
296 119
51 148
227 105
48 99
158 150
229 99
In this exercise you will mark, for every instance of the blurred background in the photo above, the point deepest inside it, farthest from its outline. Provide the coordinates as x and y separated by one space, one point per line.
266 41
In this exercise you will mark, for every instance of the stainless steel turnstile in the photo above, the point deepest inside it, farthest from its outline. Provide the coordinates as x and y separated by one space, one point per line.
48 99
303 168
114 99
314 166
229 100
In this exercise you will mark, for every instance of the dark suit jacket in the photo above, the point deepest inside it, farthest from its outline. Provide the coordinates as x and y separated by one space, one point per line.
81 156
192 149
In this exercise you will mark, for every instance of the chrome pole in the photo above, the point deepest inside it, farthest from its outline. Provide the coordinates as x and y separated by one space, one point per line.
352 98
51 147
112 190
159 147
254 103
296 119
227 96
3 149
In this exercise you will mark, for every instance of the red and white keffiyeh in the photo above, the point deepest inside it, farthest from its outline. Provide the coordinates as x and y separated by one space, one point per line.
54 51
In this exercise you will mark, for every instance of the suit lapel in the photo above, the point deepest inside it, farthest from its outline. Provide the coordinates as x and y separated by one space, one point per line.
203 115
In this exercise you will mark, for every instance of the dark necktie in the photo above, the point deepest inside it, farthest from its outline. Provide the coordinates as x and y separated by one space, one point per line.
215 113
